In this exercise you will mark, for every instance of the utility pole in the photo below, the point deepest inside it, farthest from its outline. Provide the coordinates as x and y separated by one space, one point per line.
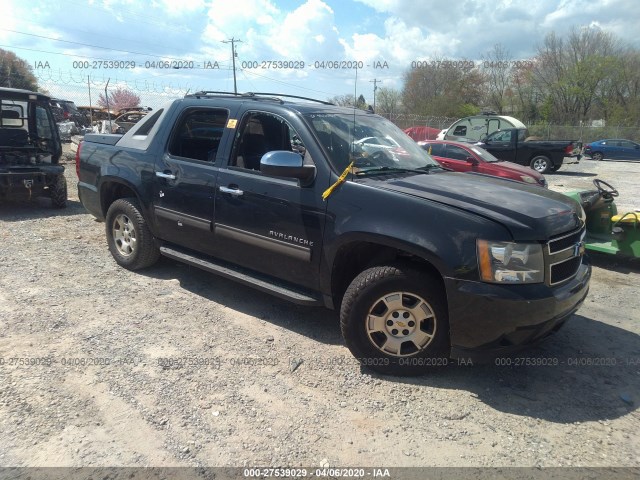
233 59
375 87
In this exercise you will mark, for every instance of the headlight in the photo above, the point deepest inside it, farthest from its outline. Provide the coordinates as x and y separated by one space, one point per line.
528 179
509 262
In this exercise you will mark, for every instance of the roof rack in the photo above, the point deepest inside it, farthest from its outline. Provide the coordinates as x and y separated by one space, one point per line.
254 96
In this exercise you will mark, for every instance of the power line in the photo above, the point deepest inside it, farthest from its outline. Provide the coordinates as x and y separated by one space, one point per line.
91 46
172 71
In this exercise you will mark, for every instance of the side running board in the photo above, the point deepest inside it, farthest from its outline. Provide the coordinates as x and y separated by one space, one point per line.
247 277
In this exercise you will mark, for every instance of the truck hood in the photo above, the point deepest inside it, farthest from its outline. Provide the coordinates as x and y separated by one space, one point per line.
527 211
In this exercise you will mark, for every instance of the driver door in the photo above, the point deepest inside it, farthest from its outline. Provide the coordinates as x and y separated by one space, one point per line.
272 225
503 145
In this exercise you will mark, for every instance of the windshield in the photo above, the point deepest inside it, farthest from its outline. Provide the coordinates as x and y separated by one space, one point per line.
483 154
371 142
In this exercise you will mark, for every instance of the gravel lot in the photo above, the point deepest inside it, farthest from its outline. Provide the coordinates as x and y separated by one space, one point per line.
264 382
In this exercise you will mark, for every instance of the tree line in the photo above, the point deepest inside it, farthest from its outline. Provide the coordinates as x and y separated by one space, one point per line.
584 76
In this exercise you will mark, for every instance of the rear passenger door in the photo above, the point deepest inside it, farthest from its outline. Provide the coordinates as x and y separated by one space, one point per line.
185 178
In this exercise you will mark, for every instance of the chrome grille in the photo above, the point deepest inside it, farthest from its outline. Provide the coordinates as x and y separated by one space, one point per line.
565 270
564 254
565 241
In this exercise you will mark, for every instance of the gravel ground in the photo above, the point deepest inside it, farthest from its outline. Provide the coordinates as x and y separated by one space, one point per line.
173 366
624 176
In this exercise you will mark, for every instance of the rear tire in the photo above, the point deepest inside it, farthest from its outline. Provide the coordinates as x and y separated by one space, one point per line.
58 192
128 236
394 320
541 164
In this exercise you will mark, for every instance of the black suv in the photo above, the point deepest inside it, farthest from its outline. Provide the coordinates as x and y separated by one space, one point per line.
66 111
333 206
30 148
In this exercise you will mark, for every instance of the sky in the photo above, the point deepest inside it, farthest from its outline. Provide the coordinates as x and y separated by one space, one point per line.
312 48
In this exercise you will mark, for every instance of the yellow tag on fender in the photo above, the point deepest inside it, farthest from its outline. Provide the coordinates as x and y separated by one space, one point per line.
232 122
340 180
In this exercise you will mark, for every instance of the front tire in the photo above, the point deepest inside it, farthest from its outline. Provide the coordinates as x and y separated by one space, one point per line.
394 320
597 156
58 192
130 241
541 164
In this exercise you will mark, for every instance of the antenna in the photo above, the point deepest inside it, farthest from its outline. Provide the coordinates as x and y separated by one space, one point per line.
353 128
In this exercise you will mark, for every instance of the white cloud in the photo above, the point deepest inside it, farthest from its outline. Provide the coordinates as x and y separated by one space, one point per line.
472 27
297 36
183 7
400 45
306 33
382 5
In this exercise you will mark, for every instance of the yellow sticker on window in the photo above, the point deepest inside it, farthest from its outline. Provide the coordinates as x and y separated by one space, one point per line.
231 123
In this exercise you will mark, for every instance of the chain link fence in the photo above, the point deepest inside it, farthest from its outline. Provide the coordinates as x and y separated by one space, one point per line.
583 133
85 91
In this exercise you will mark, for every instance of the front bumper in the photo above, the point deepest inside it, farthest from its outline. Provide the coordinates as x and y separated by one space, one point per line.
489 320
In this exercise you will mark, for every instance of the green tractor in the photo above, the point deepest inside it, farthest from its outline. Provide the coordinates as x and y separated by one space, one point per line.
607 230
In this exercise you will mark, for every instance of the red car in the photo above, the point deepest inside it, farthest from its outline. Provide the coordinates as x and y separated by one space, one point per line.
465 157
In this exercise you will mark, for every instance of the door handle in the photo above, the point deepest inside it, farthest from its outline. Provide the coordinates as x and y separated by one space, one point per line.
232 191
168 176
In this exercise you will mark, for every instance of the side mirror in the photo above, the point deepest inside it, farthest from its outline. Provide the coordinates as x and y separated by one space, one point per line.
471 160
281 163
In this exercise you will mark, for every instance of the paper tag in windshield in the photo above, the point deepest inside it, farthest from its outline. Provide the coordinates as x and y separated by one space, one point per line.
232 122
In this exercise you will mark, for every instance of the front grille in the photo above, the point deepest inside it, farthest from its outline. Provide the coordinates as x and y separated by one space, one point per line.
564 256
565 270
565 241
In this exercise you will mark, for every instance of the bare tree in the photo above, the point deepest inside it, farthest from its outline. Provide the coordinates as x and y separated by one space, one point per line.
572 72
497 68
388 100
525 96
443 88
619 99
343 100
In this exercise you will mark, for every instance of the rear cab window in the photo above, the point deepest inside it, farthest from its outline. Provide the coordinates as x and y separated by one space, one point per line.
141 134
198 133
